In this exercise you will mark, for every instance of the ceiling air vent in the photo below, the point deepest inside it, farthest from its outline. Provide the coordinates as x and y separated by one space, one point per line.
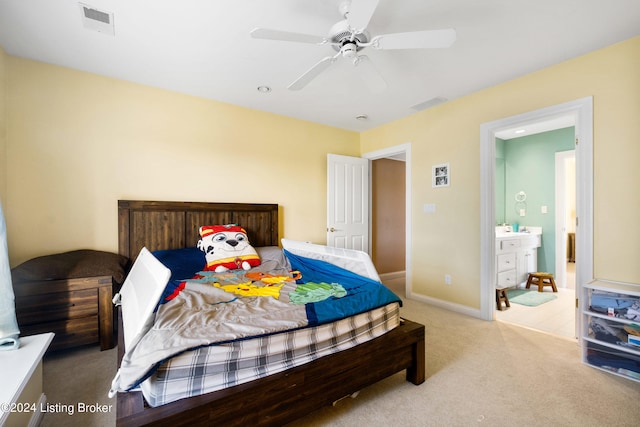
97 20
430 103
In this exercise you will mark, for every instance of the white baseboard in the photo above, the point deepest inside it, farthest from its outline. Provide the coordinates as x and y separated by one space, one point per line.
458 308
392 276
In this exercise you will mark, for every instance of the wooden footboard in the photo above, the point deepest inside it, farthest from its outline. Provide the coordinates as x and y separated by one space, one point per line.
286 396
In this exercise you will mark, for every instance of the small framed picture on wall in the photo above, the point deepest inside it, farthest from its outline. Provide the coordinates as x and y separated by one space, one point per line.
441 175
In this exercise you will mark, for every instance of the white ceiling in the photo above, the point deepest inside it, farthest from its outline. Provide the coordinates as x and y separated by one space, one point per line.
203 48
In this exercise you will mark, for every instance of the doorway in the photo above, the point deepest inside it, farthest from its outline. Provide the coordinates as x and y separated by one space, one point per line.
534 162
399 281
582 112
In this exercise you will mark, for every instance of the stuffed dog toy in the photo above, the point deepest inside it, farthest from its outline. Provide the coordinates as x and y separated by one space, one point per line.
227 247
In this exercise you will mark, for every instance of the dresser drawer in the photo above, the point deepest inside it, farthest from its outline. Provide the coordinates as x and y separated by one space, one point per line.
506 279
506 262
68 333
79 311
57 306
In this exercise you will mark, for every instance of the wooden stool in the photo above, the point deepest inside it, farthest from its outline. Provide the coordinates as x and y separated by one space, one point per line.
541 279
501 295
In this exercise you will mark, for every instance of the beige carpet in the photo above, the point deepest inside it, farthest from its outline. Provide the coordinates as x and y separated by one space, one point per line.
76 377
478 373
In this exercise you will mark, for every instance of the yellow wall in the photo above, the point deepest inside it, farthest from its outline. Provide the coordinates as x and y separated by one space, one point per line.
78 142
448 242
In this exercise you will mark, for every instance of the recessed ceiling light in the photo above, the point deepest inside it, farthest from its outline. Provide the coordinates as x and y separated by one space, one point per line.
264 89
521 131
362 117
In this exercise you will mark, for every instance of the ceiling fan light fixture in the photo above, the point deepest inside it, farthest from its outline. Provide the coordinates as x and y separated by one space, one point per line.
349 50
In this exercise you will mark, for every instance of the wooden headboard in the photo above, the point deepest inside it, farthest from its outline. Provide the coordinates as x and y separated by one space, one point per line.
174 225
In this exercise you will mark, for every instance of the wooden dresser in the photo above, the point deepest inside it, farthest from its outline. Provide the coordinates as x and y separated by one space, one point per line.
79 311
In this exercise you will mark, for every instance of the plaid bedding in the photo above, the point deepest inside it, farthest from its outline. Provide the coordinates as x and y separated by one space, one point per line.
215 367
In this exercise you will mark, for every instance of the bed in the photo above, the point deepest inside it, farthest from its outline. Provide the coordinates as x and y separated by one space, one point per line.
277 398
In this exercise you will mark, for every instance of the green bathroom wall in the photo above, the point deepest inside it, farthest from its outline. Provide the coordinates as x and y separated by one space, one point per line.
500 171
530 167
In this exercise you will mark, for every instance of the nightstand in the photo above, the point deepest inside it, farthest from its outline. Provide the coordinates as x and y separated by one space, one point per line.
79 311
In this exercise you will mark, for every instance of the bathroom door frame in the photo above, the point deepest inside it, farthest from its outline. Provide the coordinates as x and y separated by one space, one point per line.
582 111
562 223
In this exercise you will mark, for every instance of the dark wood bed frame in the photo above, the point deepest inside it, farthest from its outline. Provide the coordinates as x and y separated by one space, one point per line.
277 399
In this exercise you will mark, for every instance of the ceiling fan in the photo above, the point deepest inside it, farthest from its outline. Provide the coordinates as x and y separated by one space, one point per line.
349 36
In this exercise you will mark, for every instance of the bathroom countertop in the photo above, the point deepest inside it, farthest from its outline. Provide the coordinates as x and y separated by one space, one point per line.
501 233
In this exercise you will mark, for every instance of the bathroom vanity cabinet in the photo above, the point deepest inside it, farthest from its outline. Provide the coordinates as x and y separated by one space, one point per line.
516 256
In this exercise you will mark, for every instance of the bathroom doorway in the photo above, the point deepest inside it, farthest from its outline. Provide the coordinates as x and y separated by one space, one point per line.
536 161
582 111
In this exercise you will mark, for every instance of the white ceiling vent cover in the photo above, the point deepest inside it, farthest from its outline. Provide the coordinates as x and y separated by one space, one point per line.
97 20
430 103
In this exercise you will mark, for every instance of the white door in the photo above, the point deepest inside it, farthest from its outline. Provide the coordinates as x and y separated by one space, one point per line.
348 202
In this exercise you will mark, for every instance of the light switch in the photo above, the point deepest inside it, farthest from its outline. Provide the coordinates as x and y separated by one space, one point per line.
429 208
544 209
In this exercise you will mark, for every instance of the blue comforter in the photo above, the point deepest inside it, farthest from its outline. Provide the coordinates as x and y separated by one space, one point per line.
363 294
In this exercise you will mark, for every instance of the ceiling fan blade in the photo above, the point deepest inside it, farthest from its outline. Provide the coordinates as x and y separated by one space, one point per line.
431 39
268 34
313 72
360 13
370 74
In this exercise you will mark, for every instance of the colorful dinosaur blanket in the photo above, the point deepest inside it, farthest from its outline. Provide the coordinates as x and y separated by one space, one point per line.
213 308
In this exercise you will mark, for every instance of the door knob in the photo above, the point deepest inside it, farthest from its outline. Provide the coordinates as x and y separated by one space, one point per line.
331 229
